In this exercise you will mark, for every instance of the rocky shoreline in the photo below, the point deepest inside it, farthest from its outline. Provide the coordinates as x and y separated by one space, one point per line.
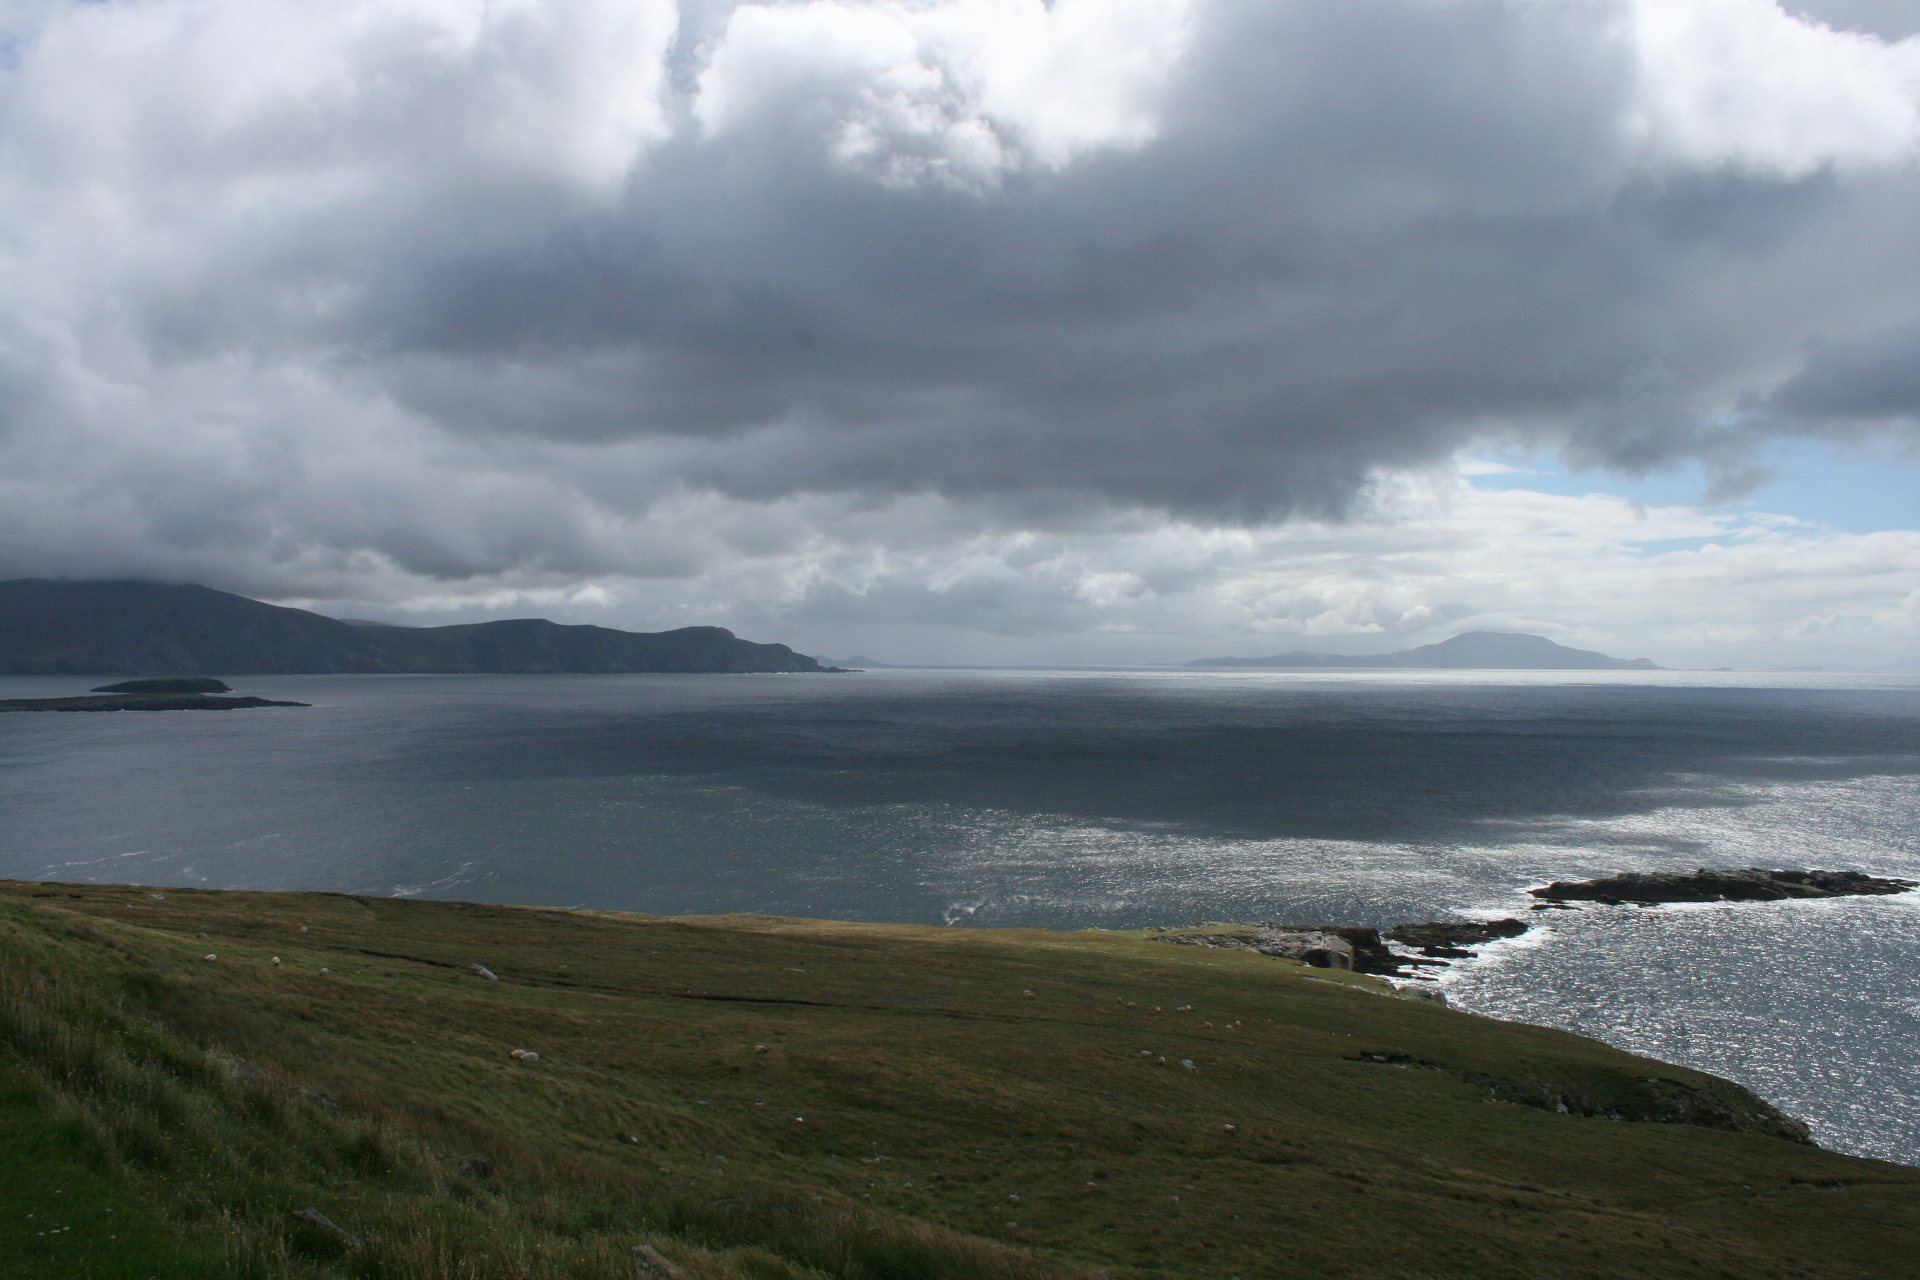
1435 944
1430 945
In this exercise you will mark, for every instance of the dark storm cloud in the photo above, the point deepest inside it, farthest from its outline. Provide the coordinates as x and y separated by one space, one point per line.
474 304
1873 378
1396 228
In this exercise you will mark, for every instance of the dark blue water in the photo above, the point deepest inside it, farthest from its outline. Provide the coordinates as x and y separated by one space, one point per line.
1087 799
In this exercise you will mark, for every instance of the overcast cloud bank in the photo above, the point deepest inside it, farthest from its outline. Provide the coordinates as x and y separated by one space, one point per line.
988 329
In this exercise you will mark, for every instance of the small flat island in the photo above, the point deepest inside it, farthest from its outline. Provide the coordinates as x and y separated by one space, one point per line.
164 693
168 684
1718 884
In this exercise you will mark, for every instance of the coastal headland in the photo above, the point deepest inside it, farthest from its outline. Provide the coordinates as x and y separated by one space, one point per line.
200 1082
59 627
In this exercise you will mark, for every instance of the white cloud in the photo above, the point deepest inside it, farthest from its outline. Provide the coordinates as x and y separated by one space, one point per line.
958 93
1744 83
925 579
181 110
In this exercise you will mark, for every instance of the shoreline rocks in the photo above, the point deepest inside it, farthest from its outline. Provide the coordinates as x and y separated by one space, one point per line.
1435 944
1356 948
1454 939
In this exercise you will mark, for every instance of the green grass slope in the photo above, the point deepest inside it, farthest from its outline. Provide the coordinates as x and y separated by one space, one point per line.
765 1098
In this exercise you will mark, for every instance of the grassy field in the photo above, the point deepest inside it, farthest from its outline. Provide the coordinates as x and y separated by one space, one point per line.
771 1098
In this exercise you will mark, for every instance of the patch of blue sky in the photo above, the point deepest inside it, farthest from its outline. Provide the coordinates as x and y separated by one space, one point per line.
1851 489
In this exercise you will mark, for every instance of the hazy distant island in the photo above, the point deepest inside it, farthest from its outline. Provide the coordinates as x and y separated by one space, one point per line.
56 627
1472 651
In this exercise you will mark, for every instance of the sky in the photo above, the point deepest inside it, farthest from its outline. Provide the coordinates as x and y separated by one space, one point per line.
980 331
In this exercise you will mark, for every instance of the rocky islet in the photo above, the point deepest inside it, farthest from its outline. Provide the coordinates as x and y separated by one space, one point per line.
1717 884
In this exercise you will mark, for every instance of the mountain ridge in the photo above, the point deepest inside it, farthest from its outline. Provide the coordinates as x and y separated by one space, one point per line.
1468 651
131 627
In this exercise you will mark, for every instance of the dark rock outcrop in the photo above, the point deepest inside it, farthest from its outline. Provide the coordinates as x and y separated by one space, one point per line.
1453 940
1721 884
1371 954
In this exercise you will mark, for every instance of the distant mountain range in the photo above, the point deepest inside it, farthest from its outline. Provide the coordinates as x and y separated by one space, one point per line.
51 627
1472 651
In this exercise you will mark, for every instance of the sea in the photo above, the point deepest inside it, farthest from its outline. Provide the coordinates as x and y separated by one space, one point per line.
1091 800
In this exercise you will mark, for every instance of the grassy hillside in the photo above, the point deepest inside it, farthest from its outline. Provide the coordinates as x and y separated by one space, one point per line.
765 1098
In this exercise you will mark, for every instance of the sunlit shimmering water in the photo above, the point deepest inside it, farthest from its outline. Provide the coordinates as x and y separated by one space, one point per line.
1812 1005
1109 799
